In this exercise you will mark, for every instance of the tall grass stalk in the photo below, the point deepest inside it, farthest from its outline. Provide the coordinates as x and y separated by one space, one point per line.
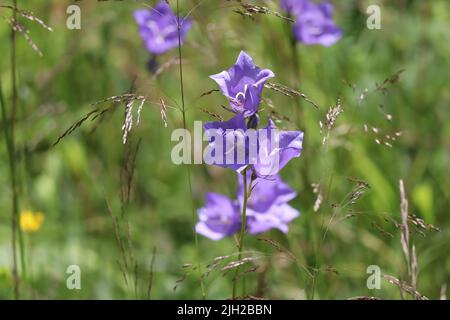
8 127
188 168
12 171
241 234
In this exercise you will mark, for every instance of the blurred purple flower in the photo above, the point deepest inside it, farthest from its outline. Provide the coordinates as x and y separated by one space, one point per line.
158 27
292 6
242 84
219 218
315 25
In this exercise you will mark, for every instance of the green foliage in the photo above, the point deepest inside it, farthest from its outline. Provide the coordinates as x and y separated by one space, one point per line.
72 181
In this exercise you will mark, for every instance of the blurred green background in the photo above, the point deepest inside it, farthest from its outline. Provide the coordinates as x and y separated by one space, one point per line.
71 182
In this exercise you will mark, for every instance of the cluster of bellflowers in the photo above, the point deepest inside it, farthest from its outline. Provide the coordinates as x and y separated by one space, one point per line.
158 28
313 22
268 196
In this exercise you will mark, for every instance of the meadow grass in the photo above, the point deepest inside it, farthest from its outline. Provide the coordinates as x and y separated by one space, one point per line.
365 123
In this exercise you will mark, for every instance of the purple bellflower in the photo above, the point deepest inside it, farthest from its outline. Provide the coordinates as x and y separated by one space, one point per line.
158 27
231 146
275 149
267 209
314 22
226 141
260 153
267 206
265 193
242 84
219 218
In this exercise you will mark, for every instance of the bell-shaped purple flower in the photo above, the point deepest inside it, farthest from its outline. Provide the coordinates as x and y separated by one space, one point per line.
266 151
158 27
228 144
275 149
219 218
265 193
267 209
314 24
267 206
277 217
242 84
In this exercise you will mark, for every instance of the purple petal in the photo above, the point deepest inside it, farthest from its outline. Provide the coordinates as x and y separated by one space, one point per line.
221 79
244 61
158 28
315 25
276 149
141 16
277 217
293 6
242 84
265 193
227 142
219 218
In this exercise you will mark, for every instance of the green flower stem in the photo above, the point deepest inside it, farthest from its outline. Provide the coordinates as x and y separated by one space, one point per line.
183 110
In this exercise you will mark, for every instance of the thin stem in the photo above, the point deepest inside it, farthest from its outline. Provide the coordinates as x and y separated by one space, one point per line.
242 233
183 111
296 66
12 170
13 70
9 134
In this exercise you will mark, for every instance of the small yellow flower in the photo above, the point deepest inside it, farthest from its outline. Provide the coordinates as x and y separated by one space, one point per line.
31 221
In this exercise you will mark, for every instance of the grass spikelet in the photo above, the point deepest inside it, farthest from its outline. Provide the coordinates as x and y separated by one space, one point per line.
405 288
328 124
128 121
29 16
421 225
236 264
383 87
20 28
179 281
359 190
404 231
364 298
289 92
381 230
207 93
278 247
212 114
249 11
163 112
214 265
317 190
414 268
96 113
